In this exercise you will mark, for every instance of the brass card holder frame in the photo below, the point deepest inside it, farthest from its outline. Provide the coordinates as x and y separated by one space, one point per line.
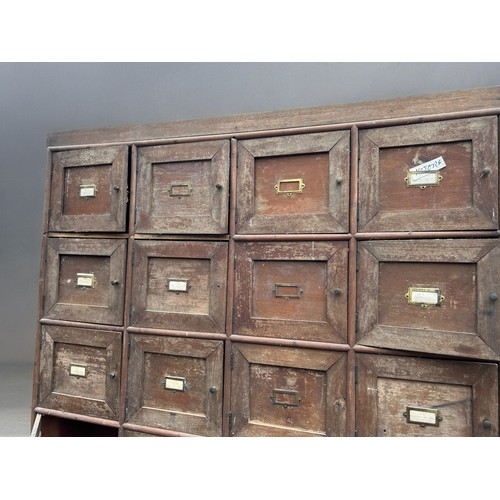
77 370
178 285
423 179
87 190
424 297
85 280
180 189
422 416
280 292
279 186
285 398
175 384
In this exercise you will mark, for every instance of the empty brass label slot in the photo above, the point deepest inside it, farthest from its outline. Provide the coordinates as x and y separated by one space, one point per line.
286 398
181 189
87 190
287 291
424 297
289 186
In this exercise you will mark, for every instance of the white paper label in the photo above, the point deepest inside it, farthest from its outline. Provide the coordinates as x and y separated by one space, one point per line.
422 417
177 285
432 165
78 370
175 384
88 191
421 297
85 280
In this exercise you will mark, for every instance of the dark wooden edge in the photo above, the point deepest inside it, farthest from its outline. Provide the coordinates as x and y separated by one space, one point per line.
156 432
421 106
75 416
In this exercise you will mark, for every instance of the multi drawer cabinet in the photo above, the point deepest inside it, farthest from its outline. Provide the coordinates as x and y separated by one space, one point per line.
331 271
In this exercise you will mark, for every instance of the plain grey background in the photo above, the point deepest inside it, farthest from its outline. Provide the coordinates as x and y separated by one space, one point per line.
37 98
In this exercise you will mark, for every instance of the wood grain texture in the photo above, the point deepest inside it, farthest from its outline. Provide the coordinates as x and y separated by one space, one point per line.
464 324
416 107
465 393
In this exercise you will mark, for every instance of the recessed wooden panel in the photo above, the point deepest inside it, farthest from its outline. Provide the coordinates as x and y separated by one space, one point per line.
294 290
466 196
293 184
400 396
80 371
287 392
180 285
458 284
175 384
183 188
85 280
89 190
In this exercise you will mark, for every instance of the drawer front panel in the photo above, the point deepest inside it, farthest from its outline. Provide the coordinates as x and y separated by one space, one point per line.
291 290
80 371
294 184
404 396
89 190
183 188
180 285
434 296
287 392
457 188
175 384
85 280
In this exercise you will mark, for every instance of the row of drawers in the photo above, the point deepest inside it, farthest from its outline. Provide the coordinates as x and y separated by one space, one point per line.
177 385
297 184
435 296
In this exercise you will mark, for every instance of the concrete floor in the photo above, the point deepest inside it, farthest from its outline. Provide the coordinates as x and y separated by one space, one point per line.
15 399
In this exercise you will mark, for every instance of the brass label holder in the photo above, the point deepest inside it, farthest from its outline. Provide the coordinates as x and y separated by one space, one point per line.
422 416
178 285
422 179
289 186
176 384
85 280
179 189
424 297
285 398
87 190
77 370
287 291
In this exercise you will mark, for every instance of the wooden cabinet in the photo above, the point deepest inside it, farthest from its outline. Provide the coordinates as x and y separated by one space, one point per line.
324 272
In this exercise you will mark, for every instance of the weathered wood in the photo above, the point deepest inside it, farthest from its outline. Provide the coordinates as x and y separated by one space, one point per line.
464 393
193 403
404 108
288 392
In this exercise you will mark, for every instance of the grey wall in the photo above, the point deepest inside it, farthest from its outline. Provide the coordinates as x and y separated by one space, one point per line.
37 98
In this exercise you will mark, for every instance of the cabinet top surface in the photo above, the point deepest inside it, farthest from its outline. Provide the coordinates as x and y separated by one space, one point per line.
364 114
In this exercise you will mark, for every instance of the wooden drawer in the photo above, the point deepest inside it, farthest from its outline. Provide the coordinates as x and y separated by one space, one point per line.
294 290
399 396
180 285
80 371
434 296
85 280
175 384
281 391
293 184
466 196
89 190
183 188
